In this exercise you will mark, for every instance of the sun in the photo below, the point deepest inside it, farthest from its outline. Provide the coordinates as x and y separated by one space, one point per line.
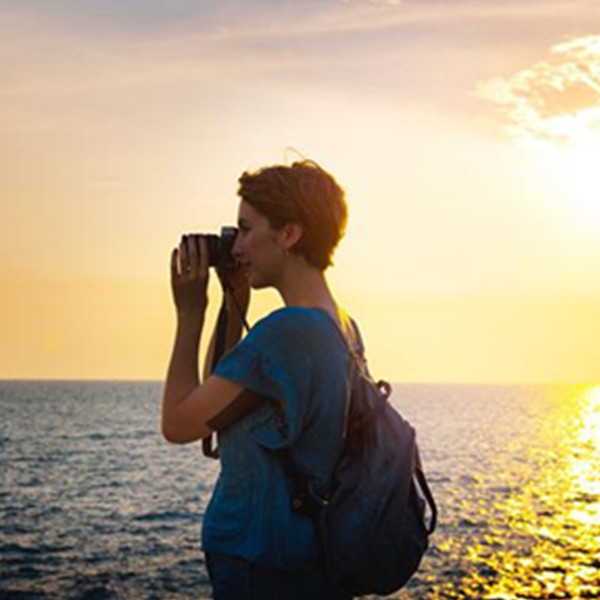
582 176
567 150
577 162
554 104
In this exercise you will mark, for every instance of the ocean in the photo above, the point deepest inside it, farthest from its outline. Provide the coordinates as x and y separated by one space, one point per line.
95 504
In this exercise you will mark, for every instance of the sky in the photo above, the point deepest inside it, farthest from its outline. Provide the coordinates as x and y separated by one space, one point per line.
465 133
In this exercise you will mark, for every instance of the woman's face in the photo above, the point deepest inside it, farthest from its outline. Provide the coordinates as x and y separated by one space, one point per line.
258 247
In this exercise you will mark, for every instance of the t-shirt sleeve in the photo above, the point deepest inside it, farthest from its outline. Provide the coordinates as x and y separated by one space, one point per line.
273 361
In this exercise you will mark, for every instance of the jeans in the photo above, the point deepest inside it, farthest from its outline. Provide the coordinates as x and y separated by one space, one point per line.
234 578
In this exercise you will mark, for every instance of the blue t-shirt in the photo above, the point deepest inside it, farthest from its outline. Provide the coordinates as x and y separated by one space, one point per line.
298 358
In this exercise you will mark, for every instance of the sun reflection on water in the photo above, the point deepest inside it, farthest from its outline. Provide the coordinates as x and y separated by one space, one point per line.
524 520
585 465
553 550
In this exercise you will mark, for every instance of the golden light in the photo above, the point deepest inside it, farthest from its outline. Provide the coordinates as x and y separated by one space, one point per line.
585 460
570 157
555 105
580 174
590 417
555 515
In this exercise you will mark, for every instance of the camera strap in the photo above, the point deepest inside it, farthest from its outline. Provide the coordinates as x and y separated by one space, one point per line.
209 448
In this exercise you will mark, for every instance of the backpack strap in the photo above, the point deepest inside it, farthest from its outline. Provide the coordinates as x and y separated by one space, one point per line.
358 336
209 446
426 491
304 500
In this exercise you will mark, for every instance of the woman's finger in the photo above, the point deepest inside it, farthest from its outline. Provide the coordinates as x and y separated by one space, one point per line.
203 263
174 264
184 261
192 248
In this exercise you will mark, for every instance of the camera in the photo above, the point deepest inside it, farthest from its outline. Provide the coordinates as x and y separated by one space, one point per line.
220 248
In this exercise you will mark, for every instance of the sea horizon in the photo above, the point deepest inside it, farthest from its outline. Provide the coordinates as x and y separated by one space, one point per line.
394 382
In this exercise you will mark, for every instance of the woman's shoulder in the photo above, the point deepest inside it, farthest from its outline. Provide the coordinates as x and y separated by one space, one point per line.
295 324
294 317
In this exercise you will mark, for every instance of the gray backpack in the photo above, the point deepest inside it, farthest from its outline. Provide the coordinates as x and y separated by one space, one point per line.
372 523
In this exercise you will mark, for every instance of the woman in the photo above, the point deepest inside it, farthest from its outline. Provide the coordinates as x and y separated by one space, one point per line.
294 361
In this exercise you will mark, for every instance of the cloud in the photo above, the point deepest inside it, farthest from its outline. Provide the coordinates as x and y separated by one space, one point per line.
554 99
79 62
373 2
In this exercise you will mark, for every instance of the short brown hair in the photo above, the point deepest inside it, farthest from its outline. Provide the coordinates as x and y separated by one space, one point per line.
303 193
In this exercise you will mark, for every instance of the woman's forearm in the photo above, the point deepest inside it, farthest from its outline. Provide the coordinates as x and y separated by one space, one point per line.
182 375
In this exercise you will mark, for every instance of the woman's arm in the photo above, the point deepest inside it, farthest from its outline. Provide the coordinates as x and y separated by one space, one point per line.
187 404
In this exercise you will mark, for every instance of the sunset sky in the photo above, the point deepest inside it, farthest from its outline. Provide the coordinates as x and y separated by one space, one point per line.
465 132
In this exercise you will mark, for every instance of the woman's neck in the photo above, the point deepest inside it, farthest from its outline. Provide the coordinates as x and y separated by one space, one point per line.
304 285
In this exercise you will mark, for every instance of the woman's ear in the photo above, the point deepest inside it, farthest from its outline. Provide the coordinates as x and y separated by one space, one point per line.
290 234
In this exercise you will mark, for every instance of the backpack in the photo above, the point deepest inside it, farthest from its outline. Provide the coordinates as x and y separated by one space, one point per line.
372 523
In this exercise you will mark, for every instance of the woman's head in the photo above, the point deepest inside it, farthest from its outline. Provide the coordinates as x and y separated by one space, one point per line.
304 194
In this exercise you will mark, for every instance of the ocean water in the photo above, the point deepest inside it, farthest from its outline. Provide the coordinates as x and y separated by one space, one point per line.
94 504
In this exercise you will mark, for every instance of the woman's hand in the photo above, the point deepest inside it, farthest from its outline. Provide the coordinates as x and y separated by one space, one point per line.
238 291
189 276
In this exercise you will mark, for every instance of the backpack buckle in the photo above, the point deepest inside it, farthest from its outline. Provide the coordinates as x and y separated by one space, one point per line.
307 503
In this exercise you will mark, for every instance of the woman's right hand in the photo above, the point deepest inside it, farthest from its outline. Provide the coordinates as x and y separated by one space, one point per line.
189 277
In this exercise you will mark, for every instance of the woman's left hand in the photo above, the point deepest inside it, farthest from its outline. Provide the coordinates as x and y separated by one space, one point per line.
189 276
